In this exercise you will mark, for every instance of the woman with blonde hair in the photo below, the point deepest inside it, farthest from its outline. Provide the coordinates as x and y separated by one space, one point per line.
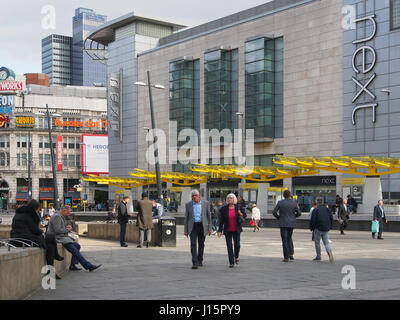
255 216
230 223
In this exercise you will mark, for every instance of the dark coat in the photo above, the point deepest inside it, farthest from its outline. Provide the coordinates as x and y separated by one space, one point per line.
25 225
224 218
145 214
378 213
343 213
321 219
288 212
123 216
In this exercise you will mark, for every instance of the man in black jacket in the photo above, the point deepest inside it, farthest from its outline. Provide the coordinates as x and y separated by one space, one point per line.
288 212
379 215
343 216
320 223
123 218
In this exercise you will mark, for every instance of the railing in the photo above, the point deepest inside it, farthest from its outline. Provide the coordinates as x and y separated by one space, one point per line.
25 243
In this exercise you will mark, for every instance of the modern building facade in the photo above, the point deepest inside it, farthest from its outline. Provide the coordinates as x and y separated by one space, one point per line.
27 119
310 77
56 59
85 71
64 59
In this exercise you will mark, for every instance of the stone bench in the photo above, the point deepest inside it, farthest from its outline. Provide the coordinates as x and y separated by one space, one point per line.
20 270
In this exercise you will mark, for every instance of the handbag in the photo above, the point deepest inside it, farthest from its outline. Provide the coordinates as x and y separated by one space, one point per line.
375 226
240 219
252 223
340 220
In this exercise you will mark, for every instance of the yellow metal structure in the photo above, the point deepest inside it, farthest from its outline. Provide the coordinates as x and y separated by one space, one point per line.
361 166
124 183
258 174
178 178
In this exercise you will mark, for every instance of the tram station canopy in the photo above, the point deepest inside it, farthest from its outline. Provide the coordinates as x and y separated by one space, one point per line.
289 167
362 166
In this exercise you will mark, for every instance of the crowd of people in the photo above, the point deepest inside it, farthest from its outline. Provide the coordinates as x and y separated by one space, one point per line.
46 230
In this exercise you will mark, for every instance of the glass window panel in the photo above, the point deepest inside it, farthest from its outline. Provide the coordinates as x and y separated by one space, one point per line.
255 44
255 55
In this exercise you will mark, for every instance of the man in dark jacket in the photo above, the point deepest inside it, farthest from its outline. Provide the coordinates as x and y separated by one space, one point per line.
379 215
320 224
123 218
144 208
343 216
288 212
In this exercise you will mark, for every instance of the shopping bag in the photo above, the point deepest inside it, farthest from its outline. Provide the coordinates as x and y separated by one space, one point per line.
252 223
375 226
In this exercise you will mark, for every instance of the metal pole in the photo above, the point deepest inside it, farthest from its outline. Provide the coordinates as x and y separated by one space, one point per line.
153 125
148 166
56 204
29 166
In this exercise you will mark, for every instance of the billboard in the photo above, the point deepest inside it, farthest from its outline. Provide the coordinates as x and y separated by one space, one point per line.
59 153
94 154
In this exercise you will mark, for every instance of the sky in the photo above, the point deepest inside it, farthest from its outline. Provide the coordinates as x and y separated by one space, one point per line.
25 22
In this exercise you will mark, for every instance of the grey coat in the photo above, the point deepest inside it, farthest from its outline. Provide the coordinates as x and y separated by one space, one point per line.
288 212
189 217
57 227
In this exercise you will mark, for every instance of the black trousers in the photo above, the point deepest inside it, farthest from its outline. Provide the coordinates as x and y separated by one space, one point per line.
122 233
381 223
232 255
287 242
51 249
197 236
343 225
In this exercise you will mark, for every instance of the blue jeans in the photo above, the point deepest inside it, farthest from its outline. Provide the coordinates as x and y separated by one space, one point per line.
74 248
317 240
214 222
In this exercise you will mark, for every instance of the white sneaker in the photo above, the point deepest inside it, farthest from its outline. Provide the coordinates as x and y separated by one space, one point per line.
329 241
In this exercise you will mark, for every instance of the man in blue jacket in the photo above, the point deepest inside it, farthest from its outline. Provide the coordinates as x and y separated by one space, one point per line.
288 212
320 224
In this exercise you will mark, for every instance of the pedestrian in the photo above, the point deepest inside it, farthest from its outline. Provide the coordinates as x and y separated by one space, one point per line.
314 206
157 210
144 208
242 204
214 217
379 216
25 226
197 225
256 217
352 204
123 218
112 215
288 212
230 223
338 203
343 216
59 229
320 224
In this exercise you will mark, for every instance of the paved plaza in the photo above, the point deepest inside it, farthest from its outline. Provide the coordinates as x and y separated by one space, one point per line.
165 273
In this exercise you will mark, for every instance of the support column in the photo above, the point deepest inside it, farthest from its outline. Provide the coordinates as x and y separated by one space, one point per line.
372 193
186 197
262 198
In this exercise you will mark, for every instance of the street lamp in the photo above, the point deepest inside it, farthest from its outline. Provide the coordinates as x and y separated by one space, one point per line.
56 200
153 125
147 129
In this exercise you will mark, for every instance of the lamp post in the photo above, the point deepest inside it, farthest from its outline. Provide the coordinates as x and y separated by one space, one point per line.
241 114
147 129
56 200
153 125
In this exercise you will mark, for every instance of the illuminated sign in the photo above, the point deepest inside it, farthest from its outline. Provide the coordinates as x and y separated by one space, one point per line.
367 63
81 124
6 103
25 122
4 121
11 86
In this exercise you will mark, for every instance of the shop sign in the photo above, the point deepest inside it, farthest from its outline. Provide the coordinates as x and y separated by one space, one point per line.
352 181
59 153
367 65
175 189
4 121
80 124
250 186
6 103
25 122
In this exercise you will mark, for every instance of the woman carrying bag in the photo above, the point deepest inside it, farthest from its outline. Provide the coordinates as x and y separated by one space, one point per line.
256 216
230 223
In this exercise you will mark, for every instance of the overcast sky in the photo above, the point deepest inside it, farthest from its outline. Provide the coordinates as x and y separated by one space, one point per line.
21 28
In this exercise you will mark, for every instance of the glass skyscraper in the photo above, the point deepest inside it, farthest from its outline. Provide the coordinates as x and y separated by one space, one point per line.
85 71
63 58
56 59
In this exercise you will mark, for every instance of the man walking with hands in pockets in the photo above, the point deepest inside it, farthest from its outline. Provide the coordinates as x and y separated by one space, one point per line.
197 224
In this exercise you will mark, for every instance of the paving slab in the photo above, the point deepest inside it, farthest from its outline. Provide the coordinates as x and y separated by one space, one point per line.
165 273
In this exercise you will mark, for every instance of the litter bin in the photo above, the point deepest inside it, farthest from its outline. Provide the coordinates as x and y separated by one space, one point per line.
167 229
